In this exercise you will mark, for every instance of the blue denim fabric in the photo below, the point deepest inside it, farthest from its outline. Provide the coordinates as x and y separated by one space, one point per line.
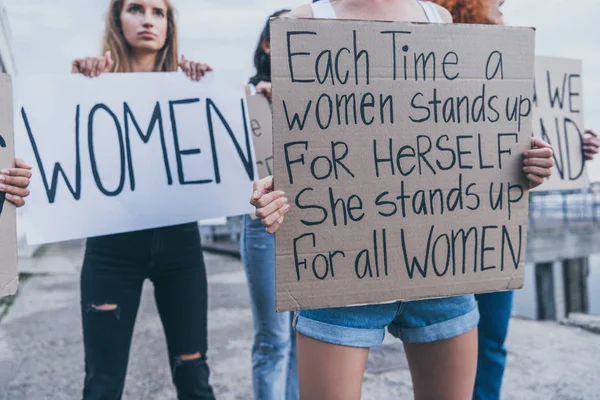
274 374
495 310
412 321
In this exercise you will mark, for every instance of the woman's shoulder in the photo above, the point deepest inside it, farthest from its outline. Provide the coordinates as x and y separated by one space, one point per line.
444 13
304 11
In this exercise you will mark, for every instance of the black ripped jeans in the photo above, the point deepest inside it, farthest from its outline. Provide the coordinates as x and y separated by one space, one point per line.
114 270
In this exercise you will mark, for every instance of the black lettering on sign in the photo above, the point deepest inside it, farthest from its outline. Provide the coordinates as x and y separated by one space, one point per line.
291 54
310 206
395 59
321 166
494 66
322 265
453 248
347 208
461 109
521 109
513 194
454 61
379 202
2 194
572 93
52 187
506 240
337 66
255 126
363 258
485 249
296 118
93 161
358 55
421 266
188 152
463 237
328 111
247 162
434 252
267 163
562 155
502 150
155 120
328 67
556 95
424 60
445 150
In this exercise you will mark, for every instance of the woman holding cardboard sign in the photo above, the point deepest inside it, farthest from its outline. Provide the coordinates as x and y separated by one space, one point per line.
495 308
439 335
141 36
274 375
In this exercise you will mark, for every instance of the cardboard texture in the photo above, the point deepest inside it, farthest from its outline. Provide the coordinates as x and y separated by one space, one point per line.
558 119
9 276
399 146
259 111
125 152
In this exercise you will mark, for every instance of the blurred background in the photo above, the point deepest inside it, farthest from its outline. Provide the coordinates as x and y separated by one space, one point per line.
563 265
42 36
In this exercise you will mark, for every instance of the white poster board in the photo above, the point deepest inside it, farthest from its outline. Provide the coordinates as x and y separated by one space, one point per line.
558 119
125 152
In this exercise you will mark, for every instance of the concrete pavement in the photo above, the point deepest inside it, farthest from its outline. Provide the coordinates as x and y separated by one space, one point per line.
41 352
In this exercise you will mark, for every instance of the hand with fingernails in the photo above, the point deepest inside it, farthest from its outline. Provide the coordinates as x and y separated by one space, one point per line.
264 88
272 205
538 162
194 70
15 181
591 145
93 66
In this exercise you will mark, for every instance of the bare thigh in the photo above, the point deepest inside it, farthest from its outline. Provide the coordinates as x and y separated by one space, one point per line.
444 369
329 372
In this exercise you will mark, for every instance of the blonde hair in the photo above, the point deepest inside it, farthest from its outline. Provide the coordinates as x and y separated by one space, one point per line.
115 42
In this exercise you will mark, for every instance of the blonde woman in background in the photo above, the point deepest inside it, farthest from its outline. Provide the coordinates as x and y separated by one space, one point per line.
141 36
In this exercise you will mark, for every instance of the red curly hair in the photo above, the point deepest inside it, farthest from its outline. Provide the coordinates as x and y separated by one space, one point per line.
467 11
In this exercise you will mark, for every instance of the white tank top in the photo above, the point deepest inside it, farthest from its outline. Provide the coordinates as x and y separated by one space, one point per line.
324 9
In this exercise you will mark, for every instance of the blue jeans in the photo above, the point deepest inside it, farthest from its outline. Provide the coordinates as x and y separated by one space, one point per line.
494 310
274 374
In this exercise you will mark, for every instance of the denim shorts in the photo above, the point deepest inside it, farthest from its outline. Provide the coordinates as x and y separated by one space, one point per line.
418 321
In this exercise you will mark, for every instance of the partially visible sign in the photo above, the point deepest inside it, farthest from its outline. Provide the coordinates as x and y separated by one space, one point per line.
558 119
9 276
259 111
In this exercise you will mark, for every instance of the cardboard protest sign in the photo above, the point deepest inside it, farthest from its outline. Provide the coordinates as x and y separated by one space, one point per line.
400 148
9 276
124 152
259 112
558 119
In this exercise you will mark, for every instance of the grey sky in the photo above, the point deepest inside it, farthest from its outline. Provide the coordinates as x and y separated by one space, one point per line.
48 34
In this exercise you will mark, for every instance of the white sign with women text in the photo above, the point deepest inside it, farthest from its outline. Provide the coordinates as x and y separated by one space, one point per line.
125 152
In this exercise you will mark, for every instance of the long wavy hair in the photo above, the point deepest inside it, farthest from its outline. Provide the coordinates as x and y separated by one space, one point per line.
115 42
467 11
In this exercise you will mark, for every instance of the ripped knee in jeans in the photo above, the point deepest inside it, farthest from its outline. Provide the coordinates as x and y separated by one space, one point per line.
183 360
189 357
103 307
